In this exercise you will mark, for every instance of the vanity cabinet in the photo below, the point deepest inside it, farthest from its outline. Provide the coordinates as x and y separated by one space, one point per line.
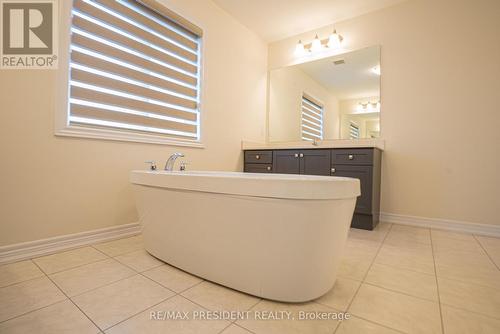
360 163
310 162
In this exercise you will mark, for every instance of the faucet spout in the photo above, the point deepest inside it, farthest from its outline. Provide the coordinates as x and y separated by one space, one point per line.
169 166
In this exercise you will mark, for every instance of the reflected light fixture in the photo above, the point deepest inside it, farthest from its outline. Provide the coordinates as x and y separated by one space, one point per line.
368 106
376 70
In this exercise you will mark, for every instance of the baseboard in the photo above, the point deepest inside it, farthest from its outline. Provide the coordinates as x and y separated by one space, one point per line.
442 224
30 249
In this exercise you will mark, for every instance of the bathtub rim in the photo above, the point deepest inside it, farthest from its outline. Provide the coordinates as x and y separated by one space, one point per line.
280 186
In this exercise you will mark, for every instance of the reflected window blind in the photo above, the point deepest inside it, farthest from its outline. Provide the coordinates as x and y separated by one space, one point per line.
133 68
353 131
312 119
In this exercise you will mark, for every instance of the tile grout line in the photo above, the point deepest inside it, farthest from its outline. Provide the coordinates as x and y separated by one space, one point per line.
78 266
137 313
57 286
28 280
127 252
234 323
366 274
487 253
473 312
102 286
405 269
206 308
376 323
455 279
121 279
38 309
249 309
437 286
400 292
32 260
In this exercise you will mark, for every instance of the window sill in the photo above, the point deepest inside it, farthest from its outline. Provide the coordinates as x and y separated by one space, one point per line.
105 134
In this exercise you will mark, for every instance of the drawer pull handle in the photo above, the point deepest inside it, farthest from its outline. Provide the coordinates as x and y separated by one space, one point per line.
333 170
351 157
301 155
268 167
257 157
296 155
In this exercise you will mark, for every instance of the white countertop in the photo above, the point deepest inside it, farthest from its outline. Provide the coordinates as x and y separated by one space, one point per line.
335 143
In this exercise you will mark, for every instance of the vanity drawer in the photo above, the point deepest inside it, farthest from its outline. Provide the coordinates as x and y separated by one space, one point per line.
352 156
258 168
259 157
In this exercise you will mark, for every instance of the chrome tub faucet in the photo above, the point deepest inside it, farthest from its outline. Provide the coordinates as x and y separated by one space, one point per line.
169 166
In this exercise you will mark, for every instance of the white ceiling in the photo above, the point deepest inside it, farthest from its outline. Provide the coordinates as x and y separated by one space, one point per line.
351 80
277 19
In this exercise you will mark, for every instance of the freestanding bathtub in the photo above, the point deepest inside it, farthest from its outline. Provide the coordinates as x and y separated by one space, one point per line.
274 236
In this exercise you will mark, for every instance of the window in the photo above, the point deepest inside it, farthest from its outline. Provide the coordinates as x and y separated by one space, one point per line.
134 72
353 131
312 119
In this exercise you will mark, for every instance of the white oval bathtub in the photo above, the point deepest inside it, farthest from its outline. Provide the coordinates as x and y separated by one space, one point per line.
275 236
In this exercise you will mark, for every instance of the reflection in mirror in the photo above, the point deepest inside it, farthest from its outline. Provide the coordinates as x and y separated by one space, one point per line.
331 98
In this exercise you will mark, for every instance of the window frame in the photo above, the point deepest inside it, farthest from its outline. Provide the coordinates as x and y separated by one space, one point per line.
63 128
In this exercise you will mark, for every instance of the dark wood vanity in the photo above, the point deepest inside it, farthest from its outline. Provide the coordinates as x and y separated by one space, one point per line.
360 163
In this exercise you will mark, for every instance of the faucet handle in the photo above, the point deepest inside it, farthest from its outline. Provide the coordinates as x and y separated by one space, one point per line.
183 166
152 165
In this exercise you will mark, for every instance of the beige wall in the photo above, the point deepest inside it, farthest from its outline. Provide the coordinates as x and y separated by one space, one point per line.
440 62
286 87
54 186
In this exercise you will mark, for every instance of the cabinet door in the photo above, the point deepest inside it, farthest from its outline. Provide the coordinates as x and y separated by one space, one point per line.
286 161
364 174
315 162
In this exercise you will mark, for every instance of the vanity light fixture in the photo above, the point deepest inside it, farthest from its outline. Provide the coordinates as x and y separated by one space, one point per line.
333 42
316 44
299 49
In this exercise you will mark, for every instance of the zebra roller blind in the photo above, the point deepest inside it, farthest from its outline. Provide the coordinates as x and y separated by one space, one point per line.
134 68
353 131
312 119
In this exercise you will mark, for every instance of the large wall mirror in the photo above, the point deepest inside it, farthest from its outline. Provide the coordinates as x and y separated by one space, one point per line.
331 98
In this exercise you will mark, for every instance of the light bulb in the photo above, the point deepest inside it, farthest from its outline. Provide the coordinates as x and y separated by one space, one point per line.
299 49
316 45
334 40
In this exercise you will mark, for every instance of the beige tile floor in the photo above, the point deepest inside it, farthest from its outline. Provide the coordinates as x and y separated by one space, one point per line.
396 279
